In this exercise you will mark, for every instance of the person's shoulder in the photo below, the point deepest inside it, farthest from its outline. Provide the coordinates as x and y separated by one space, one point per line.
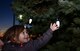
8 43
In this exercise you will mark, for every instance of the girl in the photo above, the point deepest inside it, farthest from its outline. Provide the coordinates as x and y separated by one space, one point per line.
17 38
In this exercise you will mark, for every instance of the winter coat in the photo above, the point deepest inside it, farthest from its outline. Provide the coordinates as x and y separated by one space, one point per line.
33 45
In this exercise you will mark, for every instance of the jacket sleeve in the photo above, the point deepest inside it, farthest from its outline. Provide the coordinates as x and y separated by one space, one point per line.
41 41
6 47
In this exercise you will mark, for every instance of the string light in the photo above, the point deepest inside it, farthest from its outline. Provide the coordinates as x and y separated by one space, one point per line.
20 17
58 23
30 21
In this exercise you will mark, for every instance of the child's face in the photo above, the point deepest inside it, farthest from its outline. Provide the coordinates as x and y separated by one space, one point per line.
23 36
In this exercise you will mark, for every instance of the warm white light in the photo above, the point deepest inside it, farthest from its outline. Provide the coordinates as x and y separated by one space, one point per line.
25 26
20 16
30 21
58 23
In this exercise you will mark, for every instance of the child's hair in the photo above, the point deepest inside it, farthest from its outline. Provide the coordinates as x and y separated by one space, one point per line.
12 32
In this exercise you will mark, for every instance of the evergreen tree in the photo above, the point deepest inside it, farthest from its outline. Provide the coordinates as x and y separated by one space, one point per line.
43 12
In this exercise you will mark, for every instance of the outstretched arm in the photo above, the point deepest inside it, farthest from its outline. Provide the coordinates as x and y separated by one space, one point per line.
41 41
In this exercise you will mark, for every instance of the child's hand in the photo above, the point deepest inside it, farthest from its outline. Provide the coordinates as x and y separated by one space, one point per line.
54 27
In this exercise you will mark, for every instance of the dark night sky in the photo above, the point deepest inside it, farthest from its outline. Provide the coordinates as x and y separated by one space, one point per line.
6 14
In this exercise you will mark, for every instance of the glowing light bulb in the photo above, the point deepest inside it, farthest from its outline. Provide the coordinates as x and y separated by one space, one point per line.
30 21
58 23
25 26
20 16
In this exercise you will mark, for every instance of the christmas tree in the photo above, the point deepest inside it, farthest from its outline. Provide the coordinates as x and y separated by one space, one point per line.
44 12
